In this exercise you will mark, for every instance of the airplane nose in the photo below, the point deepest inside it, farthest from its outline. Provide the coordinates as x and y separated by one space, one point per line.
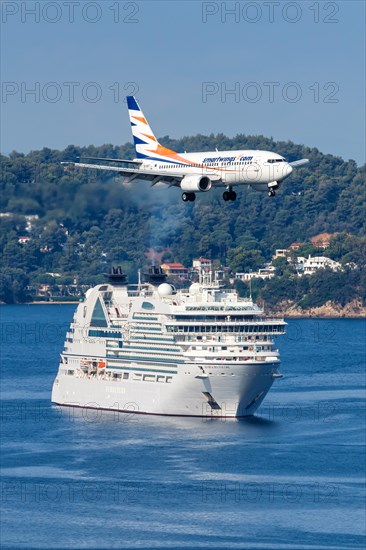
288 169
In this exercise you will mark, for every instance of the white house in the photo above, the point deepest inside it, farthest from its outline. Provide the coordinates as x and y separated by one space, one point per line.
202 263
308 266
266 272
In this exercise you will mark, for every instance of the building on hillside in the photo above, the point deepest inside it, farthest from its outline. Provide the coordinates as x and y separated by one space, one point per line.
322 240
175 270
308 266
43 290
280 253
24 240
267 272
202 263
295 246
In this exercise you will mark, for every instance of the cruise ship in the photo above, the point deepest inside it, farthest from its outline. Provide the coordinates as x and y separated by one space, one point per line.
152 349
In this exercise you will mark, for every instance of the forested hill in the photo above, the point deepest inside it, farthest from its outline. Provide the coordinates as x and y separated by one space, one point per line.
88 220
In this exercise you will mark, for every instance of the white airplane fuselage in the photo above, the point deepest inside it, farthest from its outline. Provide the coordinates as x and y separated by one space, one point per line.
195 172
254 168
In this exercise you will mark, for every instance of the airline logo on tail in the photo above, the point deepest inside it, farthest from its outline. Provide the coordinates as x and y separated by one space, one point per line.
146 144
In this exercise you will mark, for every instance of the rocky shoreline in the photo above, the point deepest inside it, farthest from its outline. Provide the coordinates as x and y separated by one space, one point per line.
330 310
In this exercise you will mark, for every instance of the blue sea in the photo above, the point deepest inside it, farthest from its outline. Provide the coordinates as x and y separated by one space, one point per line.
292 477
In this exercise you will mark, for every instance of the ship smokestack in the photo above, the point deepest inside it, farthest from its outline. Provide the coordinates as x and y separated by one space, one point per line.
116 276
154 276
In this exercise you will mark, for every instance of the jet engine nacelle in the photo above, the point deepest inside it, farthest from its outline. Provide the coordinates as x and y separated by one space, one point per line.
195 183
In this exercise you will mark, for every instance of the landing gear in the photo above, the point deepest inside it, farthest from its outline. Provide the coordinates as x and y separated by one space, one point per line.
188 197
229 195
272 186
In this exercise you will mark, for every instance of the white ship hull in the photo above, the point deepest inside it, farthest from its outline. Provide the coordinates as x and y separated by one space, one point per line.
238 392
202 352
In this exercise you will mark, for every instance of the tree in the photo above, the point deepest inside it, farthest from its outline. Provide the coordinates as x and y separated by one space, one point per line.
282 267
88 219
243 260
13 286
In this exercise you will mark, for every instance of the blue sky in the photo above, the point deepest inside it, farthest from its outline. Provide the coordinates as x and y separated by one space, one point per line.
181 59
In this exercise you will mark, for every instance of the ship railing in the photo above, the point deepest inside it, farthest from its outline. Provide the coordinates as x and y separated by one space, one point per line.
142 293
217 337
265 320
226 320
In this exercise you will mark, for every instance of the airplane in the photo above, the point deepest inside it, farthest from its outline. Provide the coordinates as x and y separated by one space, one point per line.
195 172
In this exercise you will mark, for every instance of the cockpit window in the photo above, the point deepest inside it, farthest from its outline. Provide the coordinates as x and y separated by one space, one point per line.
271 161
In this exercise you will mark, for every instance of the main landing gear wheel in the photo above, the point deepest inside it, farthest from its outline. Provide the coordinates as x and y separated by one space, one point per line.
188 197
229 195
271 193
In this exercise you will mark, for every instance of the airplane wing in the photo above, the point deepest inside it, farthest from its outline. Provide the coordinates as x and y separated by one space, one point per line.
125 161
298 163
172 179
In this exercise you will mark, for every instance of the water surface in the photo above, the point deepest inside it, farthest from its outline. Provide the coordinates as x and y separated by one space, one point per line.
289 478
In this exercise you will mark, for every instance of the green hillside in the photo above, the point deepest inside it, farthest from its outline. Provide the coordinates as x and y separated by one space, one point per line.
88 220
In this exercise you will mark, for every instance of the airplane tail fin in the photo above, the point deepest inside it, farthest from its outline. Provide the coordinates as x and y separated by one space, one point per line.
146 144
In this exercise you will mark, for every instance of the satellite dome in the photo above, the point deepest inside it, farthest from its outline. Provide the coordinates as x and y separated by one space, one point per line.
165 289
195 288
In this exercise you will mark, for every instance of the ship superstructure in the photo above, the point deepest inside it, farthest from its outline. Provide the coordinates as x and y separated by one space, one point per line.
150 349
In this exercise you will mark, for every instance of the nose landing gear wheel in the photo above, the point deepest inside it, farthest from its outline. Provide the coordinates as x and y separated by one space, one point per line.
271 193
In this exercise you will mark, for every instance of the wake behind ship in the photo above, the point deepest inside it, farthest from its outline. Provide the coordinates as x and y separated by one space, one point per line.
151 349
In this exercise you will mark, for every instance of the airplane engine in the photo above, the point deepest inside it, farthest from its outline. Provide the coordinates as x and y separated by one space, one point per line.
195 183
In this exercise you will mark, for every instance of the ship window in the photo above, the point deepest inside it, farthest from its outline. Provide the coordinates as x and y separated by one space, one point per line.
169 379
104 334
160 378
110 343
98 318
125 375
147 305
